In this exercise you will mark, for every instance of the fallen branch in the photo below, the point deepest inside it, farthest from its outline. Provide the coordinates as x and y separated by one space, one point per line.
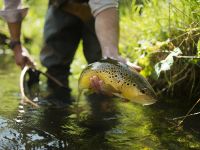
181 117
188 113
188 57
179 80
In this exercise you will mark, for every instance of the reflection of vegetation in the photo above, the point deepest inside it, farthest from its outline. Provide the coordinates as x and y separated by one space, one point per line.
147 128
8 94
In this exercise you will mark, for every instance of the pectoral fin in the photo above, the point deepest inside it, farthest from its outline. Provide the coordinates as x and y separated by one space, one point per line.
121 96
125 100
108 89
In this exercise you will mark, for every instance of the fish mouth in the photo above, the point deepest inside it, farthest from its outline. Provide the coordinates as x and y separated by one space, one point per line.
144 100
150 102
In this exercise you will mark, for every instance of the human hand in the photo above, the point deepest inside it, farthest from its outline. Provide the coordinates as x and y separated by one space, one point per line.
22 57
98 86
126 61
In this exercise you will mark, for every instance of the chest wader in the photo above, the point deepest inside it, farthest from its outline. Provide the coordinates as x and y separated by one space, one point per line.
66 24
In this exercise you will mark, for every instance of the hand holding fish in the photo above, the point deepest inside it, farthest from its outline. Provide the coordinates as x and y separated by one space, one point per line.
115 78
97 84
126 61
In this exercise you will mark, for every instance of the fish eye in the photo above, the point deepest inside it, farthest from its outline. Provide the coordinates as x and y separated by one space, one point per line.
143 91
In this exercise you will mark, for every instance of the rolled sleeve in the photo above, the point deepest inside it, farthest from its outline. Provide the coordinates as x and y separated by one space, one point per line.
99 5
13 11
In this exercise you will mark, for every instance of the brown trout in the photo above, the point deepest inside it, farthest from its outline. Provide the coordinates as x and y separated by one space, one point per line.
120 80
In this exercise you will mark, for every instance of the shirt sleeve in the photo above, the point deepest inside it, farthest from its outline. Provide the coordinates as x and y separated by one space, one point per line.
99 5
13 11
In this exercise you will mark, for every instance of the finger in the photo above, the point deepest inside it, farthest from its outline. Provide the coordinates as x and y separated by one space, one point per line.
21 64
92 84
134 66
30 64
126 61
95 84
101 85
138 68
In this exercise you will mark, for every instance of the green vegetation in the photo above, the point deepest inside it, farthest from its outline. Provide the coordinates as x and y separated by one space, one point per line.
156 29
162 37
149 32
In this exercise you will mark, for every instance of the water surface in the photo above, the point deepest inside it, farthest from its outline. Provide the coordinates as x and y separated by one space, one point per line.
95 122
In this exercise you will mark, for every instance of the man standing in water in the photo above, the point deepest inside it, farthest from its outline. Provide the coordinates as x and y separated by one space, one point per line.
67 22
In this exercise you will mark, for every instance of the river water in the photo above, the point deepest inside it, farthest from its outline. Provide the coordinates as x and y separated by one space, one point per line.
95 122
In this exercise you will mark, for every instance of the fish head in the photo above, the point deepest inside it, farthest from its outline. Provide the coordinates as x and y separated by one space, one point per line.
145 96
142 91
142 96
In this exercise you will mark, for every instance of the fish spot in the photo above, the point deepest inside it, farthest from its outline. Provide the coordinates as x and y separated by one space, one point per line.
143 91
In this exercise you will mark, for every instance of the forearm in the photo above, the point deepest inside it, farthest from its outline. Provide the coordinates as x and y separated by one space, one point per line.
13 15
107 30
21 55
15 31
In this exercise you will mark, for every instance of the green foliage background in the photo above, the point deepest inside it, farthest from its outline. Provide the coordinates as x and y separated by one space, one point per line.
150 32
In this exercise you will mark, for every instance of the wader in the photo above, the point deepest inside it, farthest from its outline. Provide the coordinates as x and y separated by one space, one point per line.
63 30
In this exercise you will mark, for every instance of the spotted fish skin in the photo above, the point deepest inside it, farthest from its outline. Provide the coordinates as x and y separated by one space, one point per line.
122 81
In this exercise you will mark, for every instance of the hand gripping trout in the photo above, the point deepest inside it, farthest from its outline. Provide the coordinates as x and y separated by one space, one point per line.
120 80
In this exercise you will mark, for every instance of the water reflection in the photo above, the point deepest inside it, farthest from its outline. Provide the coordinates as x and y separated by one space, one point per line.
71 127
92 124
96 122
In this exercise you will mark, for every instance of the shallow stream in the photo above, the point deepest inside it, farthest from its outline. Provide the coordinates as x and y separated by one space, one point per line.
94 123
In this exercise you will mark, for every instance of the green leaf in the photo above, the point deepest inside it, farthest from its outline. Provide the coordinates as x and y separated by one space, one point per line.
166 64
198 48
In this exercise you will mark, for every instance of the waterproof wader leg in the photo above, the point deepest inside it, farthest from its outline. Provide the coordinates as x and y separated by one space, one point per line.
62 33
